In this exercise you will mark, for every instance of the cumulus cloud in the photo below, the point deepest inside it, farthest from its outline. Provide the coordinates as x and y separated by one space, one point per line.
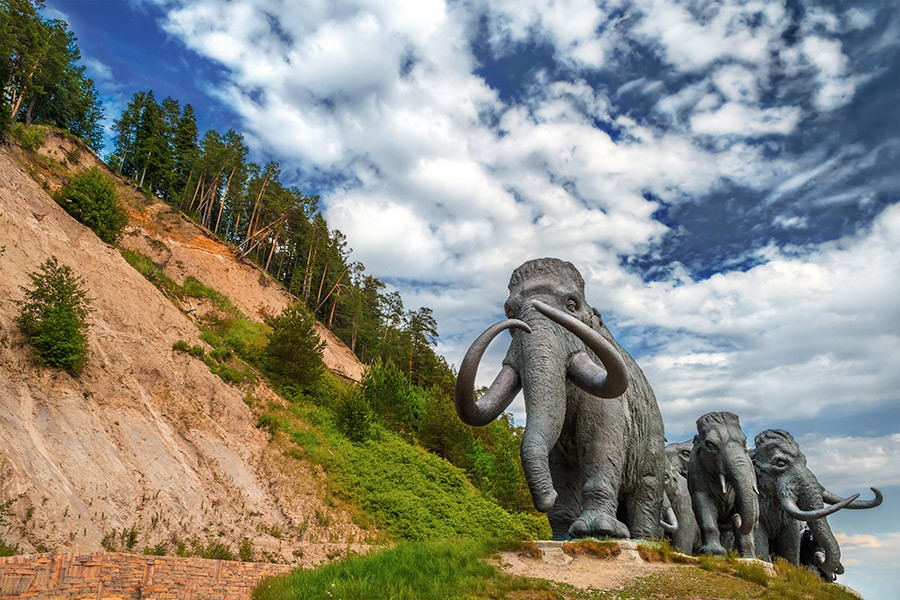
790 338
844 463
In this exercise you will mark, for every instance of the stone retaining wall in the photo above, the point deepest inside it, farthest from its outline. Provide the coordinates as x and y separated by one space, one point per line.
114 576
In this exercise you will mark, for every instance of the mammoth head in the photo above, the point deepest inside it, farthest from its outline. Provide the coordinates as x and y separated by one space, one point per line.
554 282
679 455
783 475
720 451
782 471
556 336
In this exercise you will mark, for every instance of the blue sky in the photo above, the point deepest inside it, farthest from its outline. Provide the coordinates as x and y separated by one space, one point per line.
724 174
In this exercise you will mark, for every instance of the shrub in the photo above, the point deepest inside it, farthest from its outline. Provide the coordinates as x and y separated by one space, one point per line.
53 317
354 416
31 137
92 199
245 550
399 404
6 549
294 350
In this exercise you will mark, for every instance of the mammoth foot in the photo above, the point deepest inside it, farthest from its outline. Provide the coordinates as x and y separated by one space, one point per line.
713 548
597 524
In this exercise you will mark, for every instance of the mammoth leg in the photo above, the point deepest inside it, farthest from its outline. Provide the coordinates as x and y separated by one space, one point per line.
789 542
761 543
745 544
644 502
708 519
601 440
567 482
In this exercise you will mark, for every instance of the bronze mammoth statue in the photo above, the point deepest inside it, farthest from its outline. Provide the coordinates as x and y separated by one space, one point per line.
791 497
722 484
592 448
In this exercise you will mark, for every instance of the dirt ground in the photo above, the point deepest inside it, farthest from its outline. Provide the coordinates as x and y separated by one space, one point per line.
583 571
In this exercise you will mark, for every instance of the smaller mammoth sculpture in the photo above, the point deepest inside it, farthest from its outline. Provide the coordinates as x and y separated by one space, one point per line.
686 537
722 485
791 497
592 449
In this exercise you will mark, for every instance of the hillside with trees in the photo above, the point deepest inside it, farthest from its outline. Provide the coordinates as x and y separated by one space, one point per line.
163 385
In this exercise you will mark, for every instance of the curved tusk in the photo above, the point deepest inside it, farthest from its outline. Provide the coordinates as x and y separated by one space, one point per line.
670 521
723 482
503 389
832 498
583 371
669 527
793 511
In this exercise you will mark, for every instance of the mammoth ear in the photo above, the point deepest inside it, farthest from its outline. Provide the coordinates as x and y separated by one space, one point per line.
696 439
596 319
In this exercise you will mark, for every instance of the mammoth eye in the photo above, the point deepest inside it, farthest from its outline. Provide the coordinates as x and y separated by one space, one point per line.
780 462
710 445
571 305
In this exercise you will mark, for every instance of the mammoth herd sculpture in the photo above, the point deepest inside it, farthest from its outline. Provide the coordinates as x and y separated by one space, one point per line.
593 448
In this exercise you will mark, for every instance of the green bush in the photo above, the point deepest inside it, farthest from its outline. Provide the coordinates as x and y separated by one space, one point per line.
6 549
31 137
398 404
294 351
92 199
354 416
53 317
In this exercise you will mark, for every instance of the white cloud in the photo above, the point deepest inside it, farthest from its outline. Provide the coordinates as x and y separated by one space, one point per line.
739 119
847 464
800 335
835 86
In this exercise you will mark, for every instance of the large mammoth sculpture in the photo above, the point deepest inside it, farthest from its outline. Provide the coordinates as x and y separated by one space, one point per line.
722 484
592 448
791 497
686 537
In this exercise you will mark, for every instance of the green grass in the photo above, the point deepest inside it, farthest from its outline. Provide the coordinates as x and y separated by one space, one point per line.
230 333
412 571
406 491
144 265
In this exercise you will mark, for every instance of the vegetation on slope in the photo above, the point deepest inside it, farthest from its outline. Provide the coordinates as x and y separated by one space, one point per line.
402 414
91 198
53 317
369 438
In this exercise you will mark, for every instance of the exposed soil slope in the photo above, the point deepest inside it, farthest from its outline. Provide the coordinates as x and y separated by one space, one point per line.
147 437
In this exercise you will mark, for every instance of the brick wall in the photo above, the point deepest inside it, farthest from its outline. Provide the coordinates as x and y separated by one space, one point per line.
113 576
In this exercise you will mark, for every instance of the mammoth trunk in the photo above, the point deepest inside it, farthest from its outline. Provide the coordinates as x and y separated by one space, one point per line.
543 375
825 540
809 498
739 471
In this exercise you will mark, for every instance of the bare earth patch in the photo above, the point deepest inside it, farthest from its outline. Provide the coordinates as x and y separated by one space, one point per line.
583 571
